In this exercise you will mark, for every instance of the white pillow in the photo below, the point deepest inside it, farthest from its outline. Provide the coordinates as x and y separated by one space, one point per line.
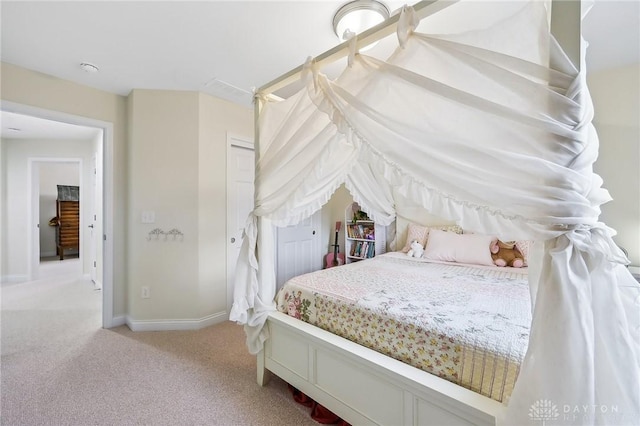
461 248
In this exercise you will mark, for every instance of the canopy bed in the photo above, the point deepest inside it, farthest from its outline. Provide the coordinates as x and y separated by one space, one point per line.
491 128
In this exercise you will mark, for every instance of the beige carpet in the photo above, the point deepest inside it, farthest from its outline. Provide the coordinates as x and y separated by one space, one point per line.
60 368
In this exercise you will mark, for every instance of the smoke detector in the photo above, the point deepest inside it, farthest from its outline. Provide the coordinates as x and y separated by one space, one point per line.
87 67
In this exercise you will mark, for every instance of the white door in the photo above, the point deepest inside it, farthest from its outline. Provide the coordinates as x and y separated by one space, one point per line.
298 249
93 252
240 175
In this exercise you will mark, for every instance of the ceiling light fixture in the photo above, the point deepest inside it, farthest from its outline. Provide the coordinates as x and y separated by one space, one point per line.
357 16
87 67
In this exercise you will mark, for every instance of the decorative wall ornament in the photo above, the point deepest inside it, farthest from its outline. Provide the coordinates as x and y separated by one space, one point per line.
175 234
158 234
155 234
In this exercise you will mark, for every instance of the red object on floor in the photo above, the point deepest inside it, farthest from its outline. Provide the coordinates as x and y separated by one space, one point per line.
318 412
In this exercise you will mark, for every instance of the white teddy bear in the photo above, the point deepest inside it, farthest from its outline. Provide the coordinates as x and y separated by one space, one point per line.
416 249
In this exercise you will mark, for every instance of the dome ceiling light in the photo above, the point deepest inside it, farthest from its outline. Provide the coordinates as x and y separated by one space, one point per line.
358 16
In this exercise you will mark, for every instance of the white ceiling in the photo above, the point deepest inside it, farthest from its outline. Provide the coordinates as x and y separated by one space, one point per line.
20 126
224 48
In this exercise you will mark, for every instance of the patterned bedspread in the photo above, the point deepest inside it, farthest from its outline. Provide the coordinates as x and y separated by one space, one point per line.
467 324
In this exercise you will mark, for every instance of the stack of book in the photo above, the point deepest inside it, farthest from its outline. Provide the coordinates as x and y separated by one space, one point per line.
363 249
358 230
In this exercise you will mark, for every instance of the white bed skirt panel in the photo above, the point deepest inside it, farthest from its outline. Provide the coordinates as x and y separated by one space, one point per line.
363 386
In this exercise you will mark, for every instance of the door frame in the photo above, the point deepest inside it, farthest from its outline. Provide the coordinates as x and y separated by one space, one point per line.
94 225
33 231
107 192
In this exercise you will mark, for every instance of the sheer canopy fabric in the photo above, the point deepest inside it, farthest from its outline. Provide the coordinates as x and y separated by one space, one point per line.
491 128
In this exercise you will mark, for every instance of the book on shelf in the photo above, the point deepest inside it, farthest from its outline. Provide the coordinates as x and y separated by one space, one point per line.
363 249
357 230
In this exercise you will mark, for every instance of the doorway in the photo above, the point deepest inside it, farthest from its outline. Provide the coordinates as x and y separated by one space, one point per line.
51 174
102 218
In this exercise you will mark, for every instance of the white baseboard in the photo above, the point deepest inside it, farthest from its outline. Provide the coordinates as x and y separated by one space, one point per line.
176 324
118 321
14 278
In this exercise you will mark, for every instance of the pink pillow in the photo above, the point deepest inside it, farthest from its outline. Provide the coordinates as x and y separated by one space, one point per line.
415 232
461 248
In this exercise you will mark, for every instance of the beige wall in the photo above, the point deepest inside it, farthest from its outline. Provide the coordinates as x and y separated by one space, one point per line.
169 156
177 169
163 178
33 89
616 98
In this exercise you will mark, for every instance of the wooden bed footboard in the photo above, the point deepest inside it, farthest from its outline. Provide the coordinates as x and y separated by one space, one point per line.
363 386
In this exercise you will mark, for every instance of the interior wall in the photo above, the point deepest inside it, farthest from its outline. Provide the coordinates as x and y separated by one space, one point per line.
616 98
16 196
53 174
177 169
163 179
38 90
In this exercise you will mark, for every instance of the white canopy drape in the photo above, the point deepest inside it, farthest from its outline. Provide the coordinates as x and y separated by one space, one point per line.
479 128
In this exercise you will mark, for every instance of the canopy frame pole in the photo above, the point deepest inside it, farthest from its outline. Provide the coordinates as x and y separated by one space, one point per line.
566 27
423 9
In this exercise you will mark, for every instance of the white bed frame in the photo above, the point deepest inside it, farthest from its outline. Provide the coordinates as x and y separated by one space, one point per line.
358 384
363 386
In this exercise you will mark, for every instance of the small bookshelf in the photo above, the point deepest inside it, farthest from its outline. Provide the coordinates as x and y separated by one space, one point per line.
364 239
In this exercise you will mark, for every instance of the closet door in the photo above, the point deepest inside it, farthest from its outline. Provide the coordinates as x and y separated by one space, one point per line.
240 188
298 249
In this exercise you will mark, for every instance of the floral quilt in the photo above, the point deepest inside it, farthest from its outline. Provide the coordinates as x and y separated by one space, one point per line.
467 324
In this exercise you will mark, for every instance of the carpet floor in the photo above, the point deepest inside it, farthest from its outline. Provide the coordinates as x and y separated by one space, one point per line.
59 367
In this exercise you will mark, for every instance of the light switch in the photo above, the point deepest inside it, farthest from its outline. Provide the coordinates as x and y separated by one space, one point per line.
148 217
